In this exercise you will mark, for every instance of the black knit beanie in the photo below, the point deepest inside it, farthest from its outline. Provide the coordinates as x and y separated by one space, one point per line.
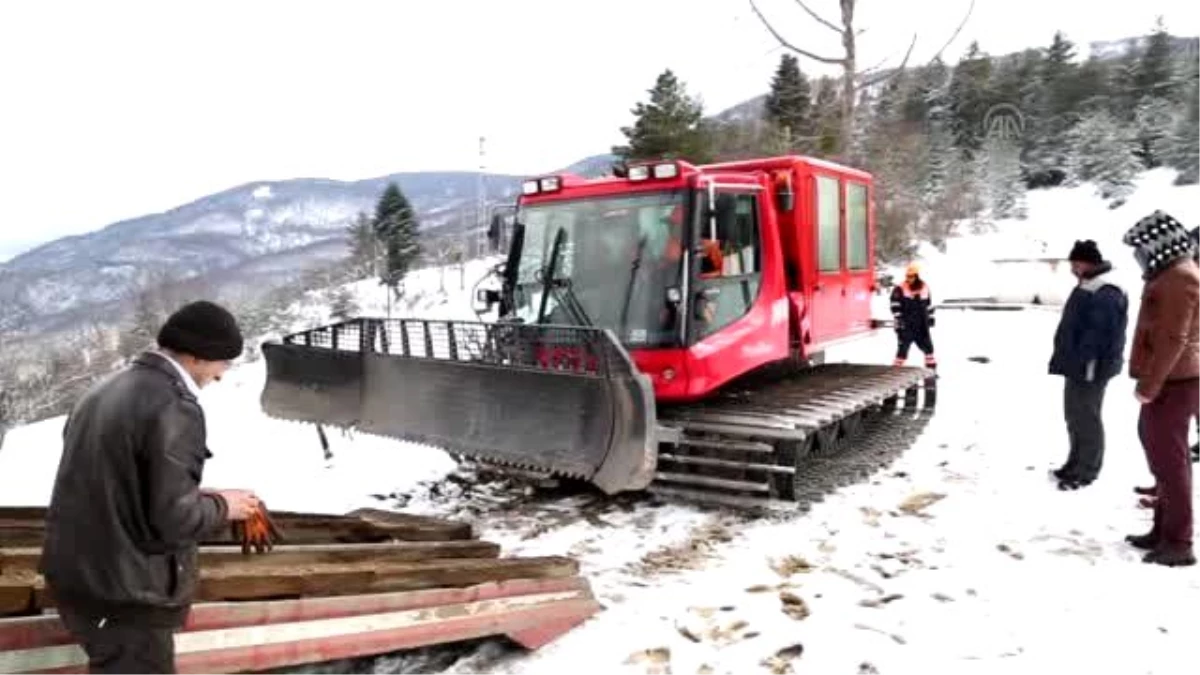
204 330
1086 251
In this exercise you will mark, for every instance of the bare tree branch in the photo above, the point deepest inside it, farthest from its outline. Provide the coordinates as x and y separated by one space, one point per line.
864 72
885 76
954 35
785 43
824 22
880 78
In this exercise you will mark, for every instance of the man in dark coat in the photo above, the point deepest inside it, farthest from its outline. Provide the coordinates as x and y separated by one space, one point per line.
1165 362
912 315
127 511
1089 348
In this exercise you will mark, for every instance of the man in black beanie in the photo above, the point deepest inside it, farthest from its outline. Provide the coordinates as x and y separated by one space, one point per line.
127 512
1089 348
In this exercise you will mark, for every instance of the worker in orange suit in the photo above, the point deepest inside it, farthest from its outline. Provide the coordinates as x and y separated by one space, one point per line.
912 312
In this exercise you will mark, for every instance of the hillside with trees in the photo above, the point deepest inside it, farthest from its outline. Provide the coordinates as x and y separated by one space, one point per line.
948 143
963 141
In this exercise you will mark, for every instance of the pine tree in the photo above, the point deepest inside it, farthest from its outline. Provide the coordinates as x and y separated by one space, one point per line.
670 126
860 141
1154 122
363 244
1103 153
395 226
142 331
1183 148
1153 75
1051 114
969 100
789 103
1005 185
342 306
827 112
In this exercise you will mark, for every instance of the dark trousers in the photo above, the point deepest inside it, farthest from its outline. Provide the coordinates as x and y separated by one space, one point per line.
923 340
1163 425
113 647
1082 404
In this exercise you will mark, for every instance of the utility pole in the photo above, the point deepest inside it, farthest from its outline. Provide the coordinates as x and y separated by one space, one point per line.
471 239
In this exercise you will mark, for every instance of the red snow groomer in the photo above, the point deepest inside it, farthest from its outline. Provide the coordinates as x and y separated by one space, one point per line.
662 328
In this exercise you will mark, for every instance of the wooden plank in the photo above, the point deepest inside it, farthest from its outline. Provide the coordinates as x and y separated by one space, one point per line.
26 527
253 582
16 596
256 648
433 528
20 533
46 629
26 558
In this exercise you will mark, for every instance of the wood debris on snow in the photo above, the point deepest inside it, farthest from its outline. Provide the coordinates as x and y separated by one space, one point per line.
895 638
915 504
794 606
1006 549
871 516
656 659
880 602
790 565
687 555
781 661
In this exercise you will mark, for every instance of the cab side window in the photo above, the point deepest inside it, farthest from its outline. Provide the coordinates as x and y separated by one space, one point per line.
829 226
730 263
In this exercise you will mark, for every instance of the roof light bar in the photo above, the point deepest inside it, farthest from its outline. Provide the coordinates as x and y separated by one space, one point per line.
666 170
658 171
534 186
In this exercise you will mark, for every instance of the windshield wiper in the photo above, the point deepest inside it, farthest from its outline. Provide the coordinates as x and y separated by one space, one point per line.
551 285
633 270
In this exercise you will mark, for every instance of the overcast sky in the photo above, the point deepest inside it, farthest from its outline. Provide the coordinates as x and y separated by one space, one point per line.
114 109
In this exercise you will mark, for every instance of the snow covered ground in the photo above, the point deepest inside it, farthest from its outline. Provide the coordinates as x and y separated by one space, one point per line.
960 557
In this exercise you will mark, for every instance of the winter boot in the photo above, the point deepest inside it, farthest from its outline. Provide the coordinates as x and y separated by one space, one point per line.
1146 542
1171 557
1071 483
1147 502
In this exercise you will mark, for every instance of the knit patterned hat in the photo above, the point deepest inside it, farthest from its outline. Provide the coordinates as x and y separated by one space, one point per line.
1158 241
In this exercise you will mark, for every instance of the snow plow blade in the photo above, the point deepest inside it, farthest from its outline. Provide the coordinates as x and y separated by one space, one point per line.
562 399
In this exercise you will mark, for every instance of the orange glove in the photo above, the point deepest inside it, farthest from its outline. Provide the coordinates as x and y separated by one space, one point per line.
257 532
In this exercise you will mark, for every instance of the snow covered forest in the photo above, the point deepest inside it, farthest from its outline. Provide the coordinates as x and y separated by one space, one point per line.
959 142
955 148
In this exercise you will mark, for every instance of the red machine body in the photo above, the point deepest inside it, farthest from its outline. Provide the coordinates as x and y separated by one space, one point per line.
814 226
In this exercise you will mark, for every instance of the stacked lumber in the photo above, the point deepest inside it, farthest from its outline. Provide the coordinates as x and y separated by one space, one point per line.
363 552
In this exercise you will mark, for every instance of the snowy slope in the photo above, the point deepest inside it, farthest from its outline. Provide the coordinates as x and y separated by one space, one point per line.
999 572
984 265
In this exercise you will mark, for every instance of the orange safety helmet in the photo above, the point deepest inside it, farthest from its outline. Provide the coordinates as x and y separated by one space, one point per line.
913 270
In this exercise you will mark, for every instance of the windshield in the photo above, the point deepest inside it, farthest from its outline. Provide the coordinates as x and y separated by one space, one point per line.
616 260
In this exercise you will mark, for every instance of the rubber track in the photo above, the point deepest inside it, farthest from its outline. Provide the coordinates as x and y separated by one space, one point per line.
824 425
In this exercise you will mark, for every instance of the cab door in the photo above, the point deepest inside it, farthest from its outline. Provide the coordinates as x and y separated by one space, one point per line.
831 288
860 260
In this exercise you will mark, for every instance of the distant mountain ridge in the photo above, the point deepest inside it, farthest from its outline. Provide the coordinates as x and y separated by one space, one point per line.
256 233
260 234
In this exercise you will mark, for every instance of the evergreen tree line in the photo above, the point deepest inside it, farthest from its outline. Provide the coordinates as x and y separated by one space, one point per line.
963 141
